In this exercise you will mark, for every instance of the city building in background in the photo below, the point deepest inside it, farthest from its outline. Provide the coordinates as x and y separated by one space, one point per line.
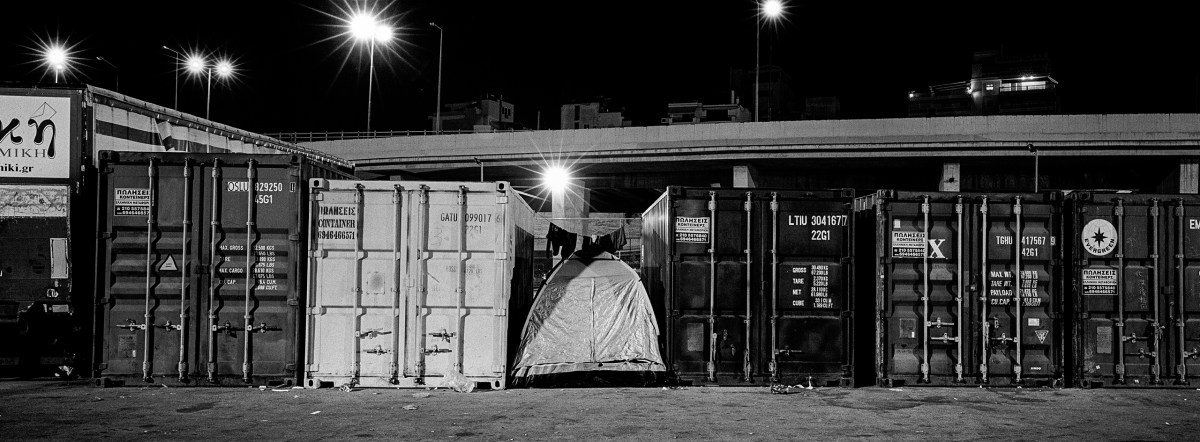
822 108
483 115
777 99
695 112
588 115
1000 84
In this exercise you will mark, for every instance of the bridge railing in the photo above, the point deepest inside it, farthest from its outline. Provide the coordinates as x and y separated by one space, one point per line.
301 137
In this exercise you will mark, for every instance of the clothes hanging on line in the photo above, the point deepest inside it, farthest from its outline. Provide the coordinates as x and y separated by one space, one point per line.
560 242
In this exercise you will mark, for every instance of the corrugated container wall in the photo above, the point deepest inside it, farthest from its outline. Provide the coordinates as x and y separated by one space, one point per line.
201 264
752 285
1136 289
414 280
968 287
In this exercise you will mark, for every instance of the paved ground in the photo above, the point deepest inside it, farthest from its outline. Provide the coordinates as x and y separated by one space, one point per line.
58 410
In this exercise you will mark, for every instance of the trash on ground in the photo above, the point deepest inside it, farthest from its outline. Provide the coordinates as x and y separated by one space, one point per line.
410 407
420 395
280 389
458 382
315 412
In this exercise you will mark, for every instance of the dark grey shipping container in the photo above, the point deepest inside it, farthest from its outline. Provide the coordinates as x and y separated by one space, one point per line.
1135 286
752 285
968 287
200 266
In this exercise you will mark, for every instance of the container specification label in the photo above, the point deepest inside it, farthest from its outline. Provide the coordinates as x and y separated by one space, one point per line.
1000 288
1099 282
270 270
35 137
129 201
908 244
692 229
264 191
809 285
1032 246
337 222
33 201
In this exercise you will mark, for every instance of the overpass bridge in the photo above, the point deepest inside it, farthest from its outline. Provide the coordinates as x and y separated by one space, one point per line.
625 168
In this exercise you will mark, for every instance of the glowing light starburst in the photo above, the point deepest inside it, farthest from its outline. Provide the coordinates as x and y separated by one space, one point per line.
560 172
362 29
57 57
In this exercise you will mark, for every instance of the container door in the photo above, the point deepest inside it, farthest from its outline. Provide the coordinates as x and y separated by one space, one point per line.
1118 243
808 328
711 294
1019 318
251 302
151 253
1185 287
356 313
462 292
926 309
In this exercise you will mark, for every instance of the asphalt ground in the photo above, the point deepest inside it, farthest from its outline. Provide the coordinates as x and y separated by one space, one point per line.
78 410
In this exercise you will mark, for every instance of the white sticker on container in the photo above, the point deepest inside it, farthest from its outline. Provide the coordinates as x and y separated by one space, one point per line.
34 201
1035 322
691 229
908 244
129 201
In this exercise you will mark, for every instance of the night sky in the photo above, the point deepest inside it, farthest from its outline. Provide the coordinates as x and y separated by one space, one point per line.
292 76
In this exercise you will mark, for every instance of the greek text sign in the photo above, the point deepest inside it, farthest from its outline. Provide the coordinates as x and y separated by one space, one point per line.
35 138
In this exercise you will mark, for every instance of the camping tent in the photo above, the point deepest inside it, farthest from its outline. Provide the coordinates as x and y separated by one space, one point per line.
591 324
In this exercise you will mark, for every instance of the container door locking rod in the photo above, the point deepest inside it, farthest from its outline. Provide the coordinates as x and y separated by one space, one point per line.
183 271
1018 289
214 280
460 294
749 262
925 290
147 315
1155 369
712 287
774 367
1119 212
357 312
983 296
250 276
959 297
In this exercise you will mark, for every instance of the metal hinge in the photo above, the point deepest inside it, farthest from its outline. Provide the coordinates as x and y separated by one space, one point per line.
290 367
502 199
317 197
294 237
105 235
293 302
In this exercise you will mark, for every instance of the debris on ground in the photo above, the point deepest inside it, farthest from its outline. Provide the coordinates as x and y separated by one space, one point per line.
456 381
315 412
421 395
410 407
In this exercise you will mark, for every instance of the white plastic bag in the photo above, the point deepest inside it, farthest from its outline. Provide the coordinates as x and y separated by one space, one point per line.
458 382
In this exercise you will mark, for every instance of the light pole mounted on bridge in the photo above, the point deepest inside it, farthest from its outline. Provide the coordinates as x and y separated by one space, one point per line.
1036 174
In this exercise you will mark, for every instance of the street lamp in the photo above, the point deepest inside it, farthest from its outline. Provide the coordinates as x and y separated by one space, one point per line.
771 10
178 68
197 65
437 114
116 71
556 178
365 27
56 59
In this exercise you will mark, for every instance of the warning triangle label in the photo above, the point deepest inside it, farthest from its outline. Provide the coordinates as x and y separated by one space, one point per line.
168 265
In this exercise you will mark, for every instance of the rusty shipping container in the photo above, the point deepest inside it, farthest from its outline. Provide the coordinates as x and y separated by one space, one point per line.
968 287
411 281
201 267
752 285
1136 289
49 142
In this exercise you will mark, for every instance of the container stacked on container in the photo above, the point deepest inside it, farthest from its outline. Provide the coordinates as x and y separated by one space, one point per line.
752 285
202 266
1135 289
967 288
412 282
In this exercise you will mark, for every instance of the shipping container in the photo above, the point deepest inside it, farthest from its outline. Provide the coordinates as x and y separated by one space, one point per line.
49 139
752 285
411 281
967 288
201 266
1135 289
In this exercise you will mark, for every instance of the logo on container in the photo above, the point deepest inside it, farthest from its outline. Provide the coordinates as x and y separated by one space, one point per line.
41 122
1099 237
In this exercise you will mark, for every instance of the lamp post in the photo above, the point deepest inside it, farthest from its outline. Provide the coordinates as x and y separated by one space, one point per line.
365 27
116 71
178 67
56 59
437 118
197 65
1035 166
771 10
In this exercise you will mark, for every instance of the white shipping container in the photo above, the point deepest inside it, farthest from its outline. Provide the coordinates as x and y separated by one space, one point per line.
389 302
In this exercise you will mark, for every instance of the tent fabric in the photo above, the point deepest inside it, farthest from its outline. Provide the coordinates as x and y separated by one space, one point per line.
592 314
